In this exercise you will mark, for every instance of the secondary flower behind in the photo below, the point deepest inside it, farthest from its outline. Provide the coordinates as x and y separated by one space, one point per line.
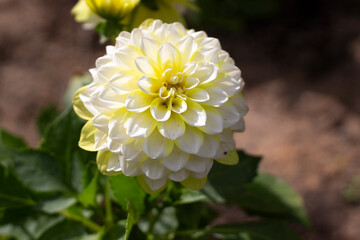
163 105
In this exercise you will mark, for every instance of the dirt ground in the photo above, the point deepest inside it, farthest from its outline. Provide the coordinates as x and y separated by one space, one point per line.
302 85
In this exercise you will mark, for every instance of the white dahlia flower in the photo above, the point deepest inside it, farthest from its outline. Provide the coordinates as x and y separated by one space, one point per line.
163 105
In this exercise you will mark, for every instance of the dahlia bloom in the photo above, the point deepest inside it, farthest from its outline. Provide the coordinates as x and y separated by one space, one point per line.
92 12
112 9
163 105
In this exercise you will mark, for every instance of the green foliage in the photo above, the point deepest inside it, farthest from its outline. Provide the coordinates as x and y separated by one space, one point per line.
55 192
12 192
127 189
229 181
260 230
46 116
270 196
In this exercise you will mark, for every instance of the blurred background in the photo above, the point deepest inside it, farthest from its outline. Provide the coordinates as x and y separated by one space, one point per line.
301 63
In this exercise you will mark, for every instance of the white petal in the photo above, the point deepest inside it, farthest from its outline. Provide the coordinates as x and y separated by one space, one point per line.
198 164
169 56
176 160
206 73
117 130
124 58
102 61
133 151
191 141
187 46
230 69
209 147
157 146
178 105
195 114
229 114
130 169
179 176
113 145
101 122
191 82
145 65
107 71
239 126
155 184
139 124
217 96
214 121
111 99
113 163
138 101
123 83
149 85
197 95
240 104
229 85
173 128
100 141
190 68
160 109
153 169
150 47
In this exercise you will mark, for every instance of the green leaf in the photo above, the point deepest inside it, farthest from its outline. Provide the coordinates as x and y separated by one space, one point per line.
88 196
230 181
270 196
116 232
45 117
64 230
11 142
262 230
39 171
57 204
127 189
17 232
37 226
61 140
12 192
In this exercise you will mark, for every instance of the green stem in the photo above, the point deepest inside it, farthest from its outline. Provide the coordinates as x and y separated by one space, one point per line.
109 219
86 222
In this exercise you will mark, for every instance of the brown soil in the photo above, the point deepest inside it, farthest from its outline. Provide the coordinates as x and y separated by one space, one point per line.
302 88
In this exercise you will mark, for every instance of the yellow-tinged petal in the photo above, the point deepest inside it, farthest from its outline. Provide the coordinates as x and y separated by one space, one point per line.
149 85
194 183
178 105
87 137
102 160
79 107
198 95
138 101
144 184
157 146
160 110
169 57
139 125
173 128
232 158
195 114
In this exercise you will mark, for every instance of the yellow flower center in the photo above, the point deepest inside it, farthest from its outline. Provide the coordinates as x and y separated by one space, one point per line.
172 84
